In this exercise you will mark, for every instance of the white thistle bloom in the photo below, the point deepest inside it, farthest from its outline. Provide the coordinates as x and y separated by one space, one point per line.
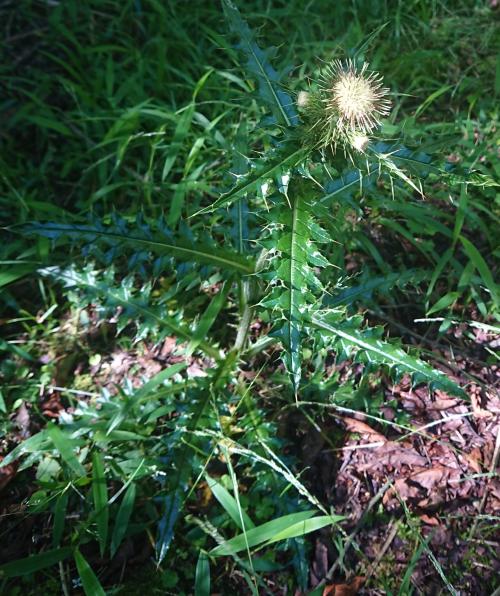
345 109
354 96
360 142
302 99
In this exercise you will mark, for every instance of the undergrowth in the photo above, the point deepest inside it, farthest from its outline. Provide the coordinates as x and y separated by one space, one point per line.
170 180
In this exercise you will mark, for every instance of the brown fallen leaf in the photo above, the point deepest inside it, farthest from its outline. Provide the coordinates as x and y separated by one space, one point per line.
23 420
350 589
393 454
427 519
474 459
356 426
430 478
7 473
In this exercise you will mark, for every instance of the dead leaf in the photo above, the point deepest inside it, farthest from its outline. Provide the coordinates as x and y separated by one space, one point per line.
430 521
430 478
7 473
23 420
356 426
350 589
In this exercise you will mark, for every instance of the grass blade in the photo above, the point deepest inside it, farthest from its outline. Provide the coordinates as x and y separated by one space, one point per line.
35 562
208 318
261 534
202 578
59 518
91 585
480 264
100 497
122 518
229 503
65 446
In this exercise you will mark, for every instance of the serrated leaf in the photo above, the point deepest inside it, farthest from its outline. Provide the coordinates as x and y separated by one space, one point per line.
87 281
121 236
287 158
377 350
259 65
293 297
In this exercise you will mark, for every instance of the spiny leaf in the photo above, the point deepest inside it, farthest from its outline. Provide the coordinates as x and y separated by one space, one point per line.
124 297
259 65
378 351
140 237
368 285
293 276
284 159
179 453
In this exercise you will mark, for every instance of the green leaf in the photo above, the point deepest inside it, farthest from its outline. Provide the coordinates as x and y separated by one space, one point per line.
295 281
207 319
480 264
34 562
377 350
259 65
91 585
302 528
180 133
65 446
288 526
38 442
11 274
202 578
291 271
122 518
444 302
59 518
229 503
286 158
145 390
157 244
100 498
87 281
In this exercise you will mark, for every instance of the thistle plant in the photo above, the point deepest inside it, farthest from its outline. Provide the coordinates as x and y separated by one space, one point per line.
275 255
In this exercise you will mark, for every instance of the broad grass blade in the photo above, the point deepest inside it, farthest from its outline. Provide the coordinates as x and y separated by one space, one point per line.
91 585
202 578
100 497
122 518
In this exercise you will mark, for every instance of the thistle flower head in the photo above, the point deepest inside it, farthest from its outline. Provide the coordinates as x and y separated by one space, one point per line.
347 107
355 96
